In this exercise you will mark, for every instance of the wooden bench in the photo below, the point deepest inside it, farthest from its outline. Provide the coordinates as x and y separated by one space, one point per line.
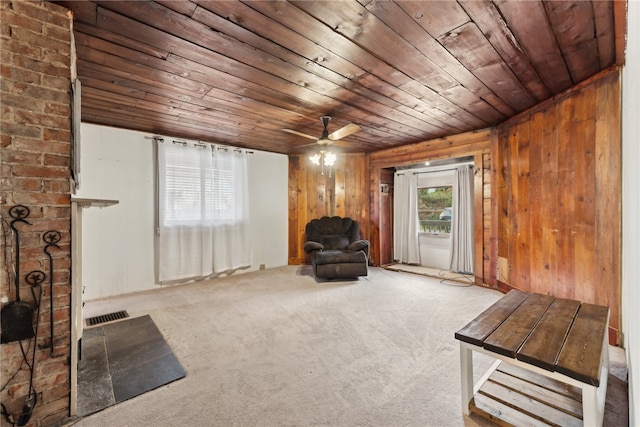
552 361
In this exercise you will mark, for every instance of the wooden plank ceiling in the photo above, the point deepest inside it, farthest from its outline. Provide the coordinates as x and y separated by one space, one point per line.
239 73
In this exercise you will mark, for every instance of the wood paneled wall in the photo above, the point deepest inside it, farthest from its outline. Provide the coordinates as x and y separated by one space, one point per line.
559 196
312 195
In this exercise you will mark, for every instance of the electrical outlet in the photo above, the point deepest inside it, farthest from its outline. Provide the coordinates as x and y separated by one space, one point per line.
4 299
262 266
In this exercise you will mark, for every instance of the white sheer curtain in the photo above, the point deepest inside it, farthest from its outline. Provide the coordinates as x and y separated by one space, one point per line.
203 210
462 222
231 243
406 224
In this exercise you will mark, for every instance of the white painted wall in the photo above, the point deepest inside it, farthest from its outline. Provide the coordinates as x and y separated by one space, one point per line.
631 208
118 241
435 251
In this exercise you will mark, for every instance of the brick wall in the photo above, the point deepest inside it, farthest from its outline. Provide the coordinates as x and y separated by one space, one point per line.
35 141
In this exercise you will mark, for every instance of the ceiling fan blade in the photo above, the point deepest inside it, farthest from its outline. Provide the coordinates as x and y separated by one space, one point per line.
349 129
304 135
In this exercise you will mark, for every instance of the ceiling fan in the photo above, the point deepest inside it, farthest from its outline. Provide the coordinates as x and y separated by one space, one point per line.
328 138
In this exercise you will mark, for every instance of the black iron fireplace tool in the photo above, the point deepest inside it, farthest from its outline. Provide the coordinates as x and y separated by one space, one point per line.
51 238
17 316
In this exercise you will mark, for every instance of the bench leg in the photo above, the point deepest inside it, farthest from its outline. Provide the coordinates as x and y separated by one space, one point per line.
594 398
591 415
466 376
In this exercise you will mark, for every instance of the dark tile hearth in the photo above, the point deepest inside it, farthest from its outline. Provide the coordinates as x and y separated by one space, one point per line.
122 360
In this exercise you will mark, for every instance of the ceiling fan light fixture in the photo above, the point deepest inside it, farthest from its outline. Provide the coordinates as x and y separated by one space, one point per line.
329 159
322 159
315 159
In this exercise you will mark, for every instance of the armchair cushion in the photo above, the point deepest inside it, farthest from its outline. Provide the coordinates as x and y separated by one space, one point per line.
312 246
338 257
359 245
335 241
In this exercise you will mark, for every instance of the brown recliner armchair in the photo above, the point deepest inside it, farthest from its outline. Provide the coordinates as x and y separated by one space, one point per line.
337 252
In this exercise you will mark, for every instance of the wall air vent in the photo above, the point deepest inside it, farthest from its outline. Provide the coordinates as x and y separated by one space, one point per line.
104 318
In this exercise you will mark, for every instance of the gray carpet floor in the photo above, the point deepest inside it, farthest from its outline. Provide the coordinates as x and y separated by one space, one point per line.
277 348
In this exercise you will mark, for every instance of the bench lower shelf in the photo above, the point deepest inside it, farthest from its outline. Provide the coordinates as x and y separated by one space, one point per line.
512 396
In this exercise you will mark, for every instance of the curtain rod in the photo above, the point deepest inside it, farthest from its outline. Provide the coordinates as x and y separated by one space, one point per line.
439 170
201 144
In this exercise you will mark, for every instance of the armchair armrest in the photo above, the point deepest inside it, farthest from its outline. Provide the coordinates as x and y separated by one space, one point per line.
359 245
311 246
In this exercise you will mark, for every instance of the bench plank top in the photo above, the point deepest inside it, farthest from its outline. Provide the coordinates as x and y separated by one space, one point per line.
545 342
552 333
581 355
510 335
476 331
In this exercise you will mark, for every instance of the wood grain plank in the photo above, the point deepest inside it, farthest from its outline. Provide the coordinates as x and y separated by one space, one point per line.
478 215
543 346
83 11
379 249
340 186
500 413
99 35
547 275
574 28
509 336
533 35
534 391
489 20
386 216
584 196
469 46
607 169
541 411
537 210
565 203
295 253
437 18
497 194
556 386
620 25
421 151
513 177
502 207
603 17
115 65
476 331
522 209
487 221
581 355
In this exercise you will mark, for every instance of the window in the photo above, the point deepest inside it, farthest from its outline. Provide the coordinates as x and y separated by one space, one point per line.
203 210
434 209
197 189
187 188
